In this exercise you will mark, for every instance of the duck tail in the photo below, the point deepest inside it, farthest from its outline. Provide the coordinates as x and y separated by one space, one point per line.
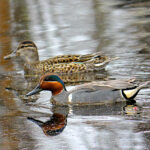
101 65
130 94
98 54
86 57
91 57
143 84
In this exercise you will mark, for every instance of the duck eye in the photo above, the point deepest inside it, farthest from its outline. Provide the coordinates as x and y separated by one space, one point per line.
48 78
22 46
52 78
27 42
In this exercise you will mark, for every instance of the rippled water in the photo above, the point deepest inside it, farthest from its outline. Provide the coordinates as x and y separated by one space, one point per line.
115 28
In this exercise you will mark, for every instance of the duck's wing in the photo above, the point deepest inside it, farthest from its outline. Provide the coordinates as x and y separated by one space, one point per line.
88 87
74 58
117 84
110 84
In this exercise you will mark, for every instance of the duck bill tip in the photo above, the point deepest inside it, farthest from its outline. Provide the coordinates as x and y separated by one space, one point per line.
34 91
9 56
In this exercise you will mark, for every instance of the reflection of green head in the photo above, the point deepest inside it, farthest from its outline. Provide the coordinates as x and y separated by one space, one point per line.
54 126
55 78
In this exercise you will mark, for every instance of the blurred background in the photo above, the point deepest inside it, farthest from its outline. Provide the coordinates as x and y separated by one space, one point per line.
117 28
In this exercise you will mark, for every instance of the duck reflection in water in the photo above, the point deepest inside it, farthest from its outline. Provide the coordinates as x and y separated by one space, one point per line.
58 121
131 108
54 126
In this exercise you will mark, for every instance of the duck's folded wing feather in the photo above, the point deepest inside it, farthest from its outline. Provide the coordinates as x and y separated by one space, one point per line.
90 88
110 84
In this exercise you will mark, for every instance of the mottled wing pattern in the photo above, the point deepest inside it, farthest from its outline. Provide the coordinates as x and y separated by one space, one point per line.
112 84
93 58
63 67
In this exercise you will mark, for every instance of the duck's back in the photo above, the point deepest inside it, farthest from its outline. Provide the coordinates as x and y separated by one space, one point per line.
94 58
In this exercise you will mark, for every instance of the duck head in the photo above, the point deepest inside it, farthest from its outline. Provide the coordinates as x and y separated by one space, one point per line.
49 82
27 51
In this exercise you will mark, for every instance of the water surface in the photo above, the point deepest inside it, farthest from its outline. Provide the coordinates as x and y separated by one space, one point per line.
115 28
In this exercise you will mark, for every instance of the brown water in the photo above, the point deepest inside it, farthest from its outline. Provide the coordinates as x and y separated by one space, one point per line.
116 28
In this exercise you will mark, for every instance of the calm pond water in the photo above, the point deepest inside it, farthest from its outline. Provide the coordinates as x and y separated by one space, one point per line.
115 28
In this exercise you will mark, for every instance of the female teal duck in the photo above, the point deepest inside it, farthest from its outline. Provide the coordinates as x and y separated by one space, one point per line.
27 51
97 92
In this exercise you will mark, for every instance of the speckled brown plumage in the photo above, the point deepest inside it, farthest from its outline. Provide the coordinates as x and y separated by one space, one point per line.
95 58
64 68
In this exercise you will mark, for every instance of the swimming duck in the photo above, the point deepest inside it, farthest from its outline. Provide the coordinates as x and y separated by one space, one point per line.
95 92
27 51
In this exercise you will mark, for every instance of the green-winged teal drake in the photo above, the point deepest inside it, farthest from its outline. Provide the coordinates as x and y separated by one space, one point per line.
28 52
95 92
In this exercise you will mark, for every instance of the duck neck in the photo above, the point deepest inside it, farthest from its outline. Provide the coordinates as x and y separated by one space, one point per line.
60 99
31 59
57 92
55 87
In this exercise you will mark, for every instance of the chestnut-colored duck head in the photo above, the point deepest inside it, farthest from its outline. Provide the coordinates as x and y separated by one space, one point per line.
49 82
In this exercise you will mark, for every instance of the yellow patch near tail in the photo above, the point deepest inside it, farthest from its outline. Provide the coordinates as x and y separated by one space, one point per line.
130 93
